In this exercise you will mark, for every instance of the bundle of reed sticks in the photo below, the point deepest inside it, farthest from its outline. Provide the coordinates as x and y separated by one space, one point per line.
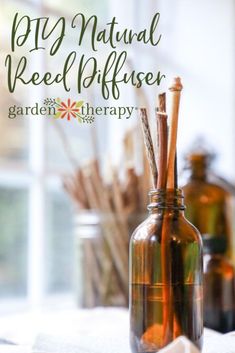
163 168
164 176
120 207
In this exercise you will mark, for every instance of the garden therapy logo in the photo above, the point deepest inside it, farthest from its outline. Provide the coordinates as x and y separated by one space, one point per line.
70 110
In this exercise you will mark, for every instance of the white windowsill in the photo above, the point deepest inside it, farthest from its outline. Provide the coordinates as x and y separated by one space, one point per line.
53 302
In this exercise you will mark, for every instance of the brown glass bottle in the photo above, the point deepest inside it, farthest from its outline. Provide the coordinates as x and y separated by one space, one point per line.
207 203
219 287
165 276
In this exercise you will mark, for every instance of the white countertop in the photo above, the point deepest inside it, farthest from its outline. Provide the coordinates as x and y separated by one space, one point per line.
100 330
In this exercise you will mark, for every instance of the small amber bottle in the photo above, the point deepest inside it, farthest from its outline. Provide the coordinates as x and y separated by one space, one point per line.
219 287
207 203
165 276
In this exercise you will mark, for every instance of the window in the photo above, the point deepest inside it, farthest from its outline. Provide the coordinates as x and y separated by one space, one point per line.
13 249
36 215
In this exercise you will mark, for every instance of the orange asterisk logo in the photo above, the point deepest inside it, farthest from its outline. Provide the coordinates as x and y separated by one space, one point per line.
69 109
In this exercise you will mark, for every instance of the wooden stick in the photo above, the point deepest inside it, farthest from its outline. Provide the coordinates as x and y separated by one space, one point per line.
162 141
74 185
166 226
162 102
161 107
144 180
149 146
89 295
128 148
132 193
176 90
119 209
90 190
162 166
176 171
165 241
166 279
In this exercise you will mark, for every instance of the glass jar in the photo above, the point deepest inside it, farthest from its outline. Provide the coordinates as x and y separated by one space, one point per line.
165 276
219 287
208 204
96 280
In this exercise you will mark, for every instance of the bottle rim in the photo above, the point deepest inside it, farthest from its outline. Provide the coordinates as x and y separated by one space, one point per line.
166 199
176 191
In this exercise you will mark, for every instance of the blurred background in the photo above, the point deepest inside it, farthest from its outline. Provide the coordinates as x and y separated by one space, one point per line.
37 216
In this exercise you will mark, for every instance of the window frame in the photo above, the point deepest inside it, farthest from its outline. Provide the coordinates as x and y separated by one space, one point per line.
33 175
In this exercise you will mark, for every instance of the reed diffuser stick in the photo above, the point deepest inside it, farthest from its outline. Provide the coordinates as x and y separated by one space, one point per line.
165 244
162 149
168 328
162 102
176 171
176 89
149 146
161 107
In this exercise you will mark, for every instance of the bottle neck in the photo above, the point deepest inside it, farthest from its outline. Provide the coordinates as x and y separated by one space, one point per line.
198 164
199 171
167 201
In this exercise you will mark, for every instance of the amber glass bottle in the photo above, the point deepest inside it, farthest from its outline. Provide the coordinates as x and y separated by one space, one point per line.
219 287
165 276
207 203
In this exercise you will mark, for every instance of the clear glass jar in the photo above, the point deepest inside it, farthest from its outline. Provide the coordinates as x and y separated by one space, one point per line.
165 276
96 280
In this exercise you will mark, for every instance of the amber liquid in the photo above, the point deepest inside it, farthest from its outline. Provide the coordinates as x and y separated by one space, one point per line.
147 315
147 300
